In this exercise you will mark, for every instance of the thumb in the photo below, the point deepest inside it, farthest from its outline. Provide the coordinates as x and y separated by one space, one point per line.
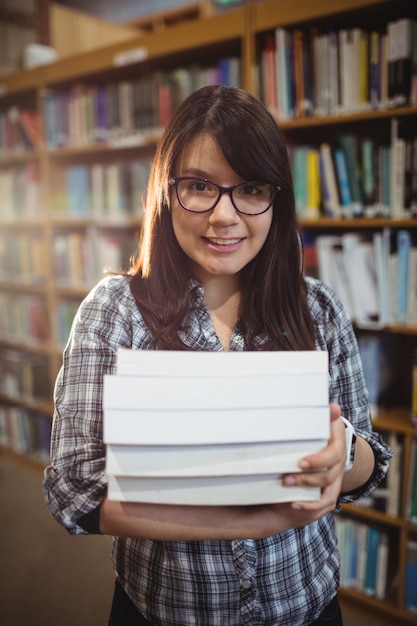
335 412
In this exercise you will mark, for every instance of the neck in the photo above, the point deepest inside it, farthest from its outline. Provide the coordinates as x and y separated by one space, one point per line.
222 300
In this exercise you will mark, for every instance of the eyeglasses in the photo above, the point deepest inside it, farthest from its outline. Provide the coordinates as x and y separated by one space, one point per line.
199 195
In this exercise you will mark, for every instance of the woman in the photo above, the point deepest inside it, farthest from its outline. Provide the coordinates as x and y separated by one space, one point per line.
219 268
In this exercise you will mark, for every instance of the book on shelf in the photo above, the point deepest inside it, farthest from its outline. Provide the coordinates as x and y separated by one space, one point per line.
412 482
30 122
386 498
413 88
24 376
355 177
199 433
269 75
411 577
375 276
127 112
283 44
403 168
383 380
364 556
27 432
20 192
332 268
359 260
330 192
21 258
82 258
349 145
404 244
110 193
400 49
341 71
24 318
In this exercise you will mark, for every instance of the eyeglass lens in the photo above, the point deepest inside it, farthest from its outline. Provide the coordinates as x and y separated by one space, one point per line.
201 195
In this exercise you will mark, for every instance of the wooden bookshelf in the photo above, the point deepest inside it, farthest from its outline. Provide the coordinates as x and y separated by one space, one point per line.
206 40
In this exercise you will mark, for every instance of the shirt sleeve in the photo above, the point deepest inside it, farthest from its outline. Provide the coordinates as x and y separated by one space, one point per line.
347 386
75 482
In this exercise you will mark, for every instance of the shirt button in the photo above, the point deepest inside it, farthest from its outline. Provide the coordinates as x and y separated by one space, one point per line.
238 339
212 339
246 583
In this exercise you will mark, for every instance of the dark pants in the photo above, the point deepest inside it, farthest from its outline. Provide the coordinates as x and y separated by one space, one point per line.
124 613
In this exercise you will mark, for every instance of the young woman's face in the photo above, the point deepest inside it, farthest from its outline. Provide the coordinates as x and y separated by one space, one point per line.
222 241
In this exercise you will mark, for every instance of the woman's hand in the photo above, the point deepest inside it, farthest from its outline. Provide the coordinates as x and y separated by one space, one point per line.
333 479
325 469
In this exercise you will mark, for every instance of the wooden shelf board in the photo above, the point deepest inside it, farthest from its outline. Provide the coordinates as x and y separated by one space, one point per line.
181 38
267 14
357 222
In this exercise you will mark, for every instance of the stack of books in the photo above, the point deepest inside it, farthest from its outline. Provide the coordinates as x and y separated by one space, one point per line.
213 428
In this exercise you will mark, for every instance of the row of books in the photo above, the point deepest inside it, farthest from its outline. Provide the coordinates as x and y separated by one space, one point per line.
20 192
187 428
365 557
80 258
357 177
24 318
22 258
308 72
374 276
26 432
24 376
20 131
106 192
129 111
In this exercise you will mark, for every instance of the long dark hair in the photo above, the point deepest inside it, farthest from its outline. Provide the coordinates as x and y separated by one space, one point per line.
273 302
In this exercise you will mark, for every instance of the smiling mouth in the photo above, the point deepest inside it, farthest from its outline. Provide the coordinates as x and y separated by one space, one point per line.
223 242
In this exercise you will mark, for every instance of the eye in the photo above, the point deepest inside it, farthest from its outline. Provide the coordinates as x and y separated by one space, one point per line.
251 189
198 184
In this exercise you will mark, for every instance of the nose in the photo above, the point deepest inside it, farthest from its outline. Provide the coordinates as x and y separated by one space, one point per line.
224 212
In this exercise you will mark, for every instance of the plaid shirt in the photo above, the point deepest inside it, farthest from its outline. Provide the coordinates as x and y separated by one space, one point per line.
285 579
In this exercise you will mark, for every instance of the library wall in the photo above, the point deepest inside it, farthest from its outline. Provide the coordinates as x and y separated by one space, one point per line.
76 140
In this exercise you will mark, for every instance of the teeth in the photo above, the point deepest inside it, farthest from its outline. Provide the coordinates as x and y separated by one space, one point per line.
224 242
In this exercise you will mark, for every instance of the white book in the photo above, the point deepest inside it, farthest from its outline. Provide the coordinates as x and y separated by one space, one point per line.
209 460
361 272
220 392
332 268
189 363
213 491
382 568
202 426
412 287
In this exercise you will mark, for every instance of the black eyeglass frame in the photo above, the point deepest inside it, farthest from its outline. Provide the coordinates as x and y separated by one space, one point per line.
175 180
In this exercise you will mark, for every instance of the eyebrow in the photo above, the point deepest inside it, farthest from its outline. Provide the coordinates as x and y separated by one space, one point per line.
192 171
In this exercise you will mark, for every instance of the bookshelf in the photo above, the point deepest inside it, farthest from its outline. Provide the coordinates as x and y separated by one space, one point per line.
306 127
64 232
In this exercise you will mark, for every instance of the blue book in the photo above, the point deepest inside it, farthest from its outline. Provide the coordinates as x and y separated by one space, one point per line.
78 186
403 251
371 567
343 180
411 577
